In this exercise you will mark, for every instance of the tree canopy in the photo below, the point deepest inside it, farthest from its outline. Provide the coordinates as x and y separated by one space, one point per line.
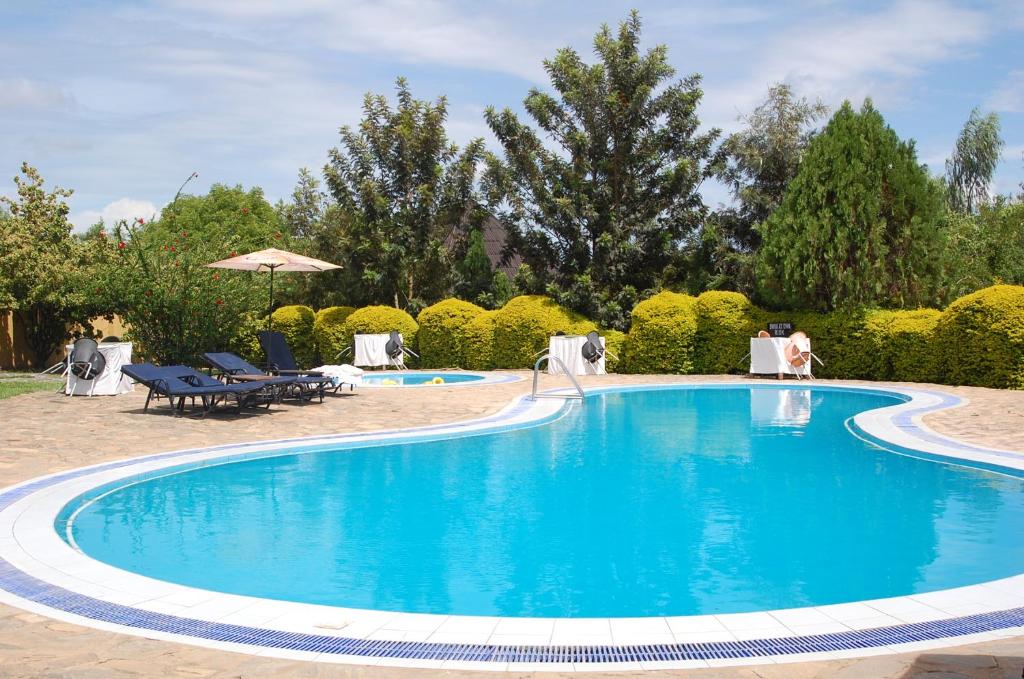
405 189
599 195
762 159
859 224
970 169
43 273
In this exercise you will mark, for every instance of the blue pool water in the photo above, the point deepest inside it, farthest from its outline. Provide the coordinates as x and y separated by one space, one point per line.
651 502
405 379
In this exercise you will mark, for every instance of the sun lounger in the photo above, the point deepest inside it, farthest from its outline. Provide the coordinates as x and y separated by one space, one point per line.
179 382
281 361
234 368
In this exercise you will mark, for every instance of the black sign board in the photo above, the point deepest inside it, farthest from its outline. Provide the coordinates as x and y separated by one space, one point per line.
780 329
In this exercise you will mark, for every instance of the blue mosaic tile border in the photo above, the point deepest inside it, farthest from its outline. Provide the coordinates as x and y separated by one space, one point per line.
30 588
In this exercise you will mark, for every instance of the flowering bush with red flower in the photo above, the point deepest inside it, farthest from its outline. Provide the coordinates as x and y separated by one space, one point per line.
156 276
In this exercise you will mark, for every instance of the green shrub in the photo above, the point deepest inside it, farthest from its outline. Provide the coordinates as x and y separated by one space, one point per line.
478 339
835 339
980 338
725 323
379 319
910 348
329 331
442 333
245 342
524 325
613 344
663 334
296 324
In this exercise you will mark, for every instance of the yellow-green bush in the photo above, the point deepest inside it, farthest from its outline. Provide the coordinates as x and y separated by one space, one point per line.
613 343
663 335
725 323
296 324
329 331
442 333
980 338
478 340
524 325
246 342
910 346
835 339
379 319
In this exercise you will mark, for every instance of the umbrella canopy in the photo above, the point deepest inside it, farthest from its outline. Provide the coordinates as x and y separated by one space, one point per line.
273 260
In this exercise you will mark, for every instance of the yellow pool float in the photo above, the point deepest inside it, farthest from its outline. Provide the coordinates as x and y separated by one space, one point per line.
437 380
389 383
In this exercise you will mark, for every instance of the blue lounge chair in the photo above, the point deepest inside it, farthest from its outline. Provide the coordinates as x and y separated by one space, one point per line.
234 368
281 361
179 382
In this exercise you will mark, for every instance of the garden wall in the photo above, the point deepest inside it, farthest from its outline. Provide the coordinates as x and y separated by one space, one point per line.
15 353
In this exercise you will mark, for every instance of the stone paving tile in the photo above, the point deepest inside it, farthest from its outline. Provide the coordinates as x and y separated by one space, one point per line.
44 432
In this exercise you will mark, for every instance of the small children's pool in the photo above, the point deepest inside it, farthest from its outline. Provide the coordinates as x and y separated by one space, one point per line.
416 378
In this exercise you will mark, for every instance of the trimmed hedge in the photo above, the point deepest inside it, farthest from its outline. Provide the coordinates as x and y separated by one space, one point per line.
524 325
725 322
479 341
329 331
613 344
296 324
442 333
663 335
910 350
980 338
246 343
379 319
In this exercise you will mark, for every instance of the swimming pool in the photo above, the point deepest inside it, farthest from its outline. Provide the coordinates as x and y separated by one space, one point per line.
411 378
654 502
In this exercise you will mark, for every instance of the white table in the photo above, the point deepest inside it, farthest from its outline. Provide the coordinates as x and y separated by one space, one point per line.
370 351
768 357
569 348
111 381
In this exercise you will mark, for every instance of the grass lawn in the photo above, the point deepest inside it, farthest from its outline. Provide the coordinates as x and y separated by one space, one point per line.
15 384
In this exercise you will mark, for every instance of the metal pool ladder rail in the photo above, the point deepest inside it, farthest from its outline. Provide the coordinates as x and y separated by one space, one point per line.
565 369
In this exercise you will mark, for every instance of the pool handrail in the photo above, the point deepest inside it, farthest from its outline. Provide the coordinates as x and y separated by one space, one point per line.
565 369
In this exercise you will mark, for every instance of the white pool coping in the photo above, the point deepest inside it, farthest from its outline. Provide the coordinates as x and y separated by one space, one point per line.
29 543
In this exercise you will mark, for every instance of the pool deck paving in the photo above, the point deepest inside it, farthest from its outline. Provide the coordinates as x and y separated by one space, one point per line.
43 432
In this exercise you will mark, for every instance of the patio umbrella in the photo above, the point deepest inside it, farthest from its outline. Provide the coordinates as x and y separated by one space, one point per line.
273 260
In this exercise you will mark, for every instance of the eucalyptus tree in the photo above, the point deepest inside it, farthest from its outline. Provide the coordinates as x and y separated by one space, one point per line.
970 169
763 158
598 196
859 224
404 189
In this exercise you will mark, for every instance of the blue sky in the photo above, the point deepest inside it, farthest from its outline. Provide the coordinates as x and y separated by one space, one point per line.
120 101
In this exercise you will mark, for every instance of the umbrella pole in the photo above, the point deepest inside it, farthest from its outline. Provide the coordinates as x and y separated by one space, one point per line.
270 313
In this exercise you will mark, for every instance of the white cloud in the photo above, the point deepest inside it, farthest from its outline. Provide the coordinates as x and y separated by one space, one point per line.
1009 97
125 208
24 95
838 57
412 31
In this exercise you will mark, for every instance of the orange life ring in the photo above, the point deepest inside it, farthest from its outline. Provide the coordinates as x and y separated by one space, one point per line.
794 356
763 333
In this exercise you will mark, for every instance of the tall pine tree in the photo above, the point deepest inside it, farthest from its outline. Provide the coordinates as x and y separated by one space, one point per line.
859 224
